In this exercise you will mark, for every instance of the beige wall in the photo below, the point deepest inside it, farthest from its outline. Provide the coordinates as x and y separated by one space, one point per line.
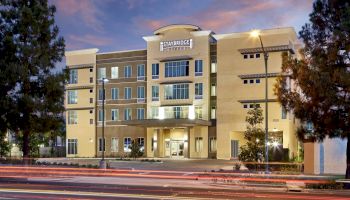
83 61
200 51
230 88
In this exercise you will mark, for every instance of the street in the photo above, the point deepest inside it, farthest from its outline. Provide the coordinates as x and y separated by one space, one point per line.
76 183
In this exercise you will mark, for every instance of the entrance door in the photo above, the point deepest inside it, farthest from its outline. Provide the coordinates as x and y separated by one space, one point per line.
234 148
177 149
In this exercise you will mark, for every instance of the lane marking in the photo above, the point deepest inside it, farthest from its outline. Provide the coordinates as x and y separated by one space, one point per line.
98 194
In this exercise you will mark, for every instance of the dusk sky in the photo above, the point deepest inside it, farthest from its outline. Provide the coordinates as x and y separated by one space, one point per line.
112 25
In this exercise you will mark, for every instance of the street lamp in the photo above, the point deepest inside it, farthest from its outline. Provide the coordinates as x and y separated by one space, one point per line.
103 162
256 34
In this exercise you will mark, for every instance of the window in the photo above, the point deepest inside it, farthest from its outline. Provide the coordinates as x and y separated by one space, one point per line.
101 73
176 91
154 112
101 94
213 112
72 146
140 113
100 115
115 72
234 148
91 100
179 112
127 114
140 72
140 94
101 147
72 96
115 93
114 144
257 55
141 143
91 70
127 143
91 90
73 76
309 126
198 91
212 144
198 68
251 105
176 68
198 144
199 112
251 56
91 111
91 121
155 93
155 71
213 89
213 67
284 113
114 114
72 117
245 56
127 93
127 71
257 81
251 81
91 80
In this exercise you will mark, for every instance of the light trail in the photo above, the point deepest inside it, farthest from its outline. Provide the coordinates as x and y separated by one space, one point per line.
152 171
109 173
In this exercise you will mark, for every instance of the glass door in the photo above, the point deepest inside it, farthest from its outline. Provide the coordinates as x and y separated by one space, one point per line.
177 149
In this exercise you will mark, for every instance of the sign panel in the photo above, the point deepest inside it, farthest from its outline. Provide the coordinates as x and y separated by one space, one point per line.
176 45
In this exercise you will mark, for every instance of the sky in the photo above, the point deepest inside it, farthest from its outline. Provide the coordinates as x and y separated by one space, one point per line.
113 25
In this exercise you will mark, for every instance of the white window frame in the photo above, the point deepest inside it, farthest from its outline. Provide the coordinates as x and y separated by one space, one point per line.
198 144
114 144
75 147
114 72
72 117
72 96
101 73
126 144
127 93
114 93
114 114
141 77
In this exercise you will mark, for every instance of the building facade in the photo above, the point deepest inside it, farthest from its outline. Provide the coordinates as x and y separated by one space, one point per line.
185 96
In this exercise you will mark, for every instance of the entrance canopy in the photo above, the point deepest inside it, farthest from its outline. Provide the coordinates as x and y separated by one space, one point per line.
168 122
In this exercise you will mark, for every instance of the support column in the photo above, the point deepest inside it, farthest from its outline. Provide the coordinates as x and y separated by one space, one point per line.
187 143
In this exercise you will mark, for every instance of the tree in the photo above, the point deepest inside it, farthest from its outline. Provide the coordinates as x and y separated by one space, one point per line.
135 148
321 96
4 145
253 150
36 100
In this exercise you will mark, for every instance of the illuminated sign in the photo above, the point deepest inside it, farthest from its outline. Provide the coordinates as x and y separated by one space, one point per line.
176 45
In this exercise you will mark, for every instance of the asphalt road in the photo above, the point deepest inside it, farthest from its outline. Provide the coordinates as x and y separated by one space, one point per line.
75 183
56 188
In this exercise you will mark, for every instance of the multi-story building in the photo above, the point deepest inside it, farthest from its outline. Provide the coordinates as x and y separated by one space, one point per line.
186 95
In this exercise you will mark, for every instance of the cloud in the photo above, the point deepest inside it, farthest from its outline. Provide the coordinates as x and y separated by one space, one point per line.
228 15
80 41
86 10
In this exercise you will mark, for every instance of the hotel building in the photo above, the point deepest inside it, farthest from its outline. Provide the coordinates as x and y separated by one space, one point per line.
185 96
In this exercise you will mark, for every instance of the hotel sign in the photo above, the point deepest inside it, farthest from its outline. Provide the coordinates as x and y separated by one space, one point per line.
176 45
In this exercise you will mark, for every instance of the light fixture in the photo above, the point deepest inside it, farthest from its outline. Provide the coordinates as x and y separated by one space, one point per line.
268 143
275 144
255 33
257 140
274 129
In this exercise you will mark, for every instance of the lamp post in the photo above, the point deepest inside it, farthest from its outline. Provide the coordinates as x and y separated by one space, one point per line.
103 162
256 34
